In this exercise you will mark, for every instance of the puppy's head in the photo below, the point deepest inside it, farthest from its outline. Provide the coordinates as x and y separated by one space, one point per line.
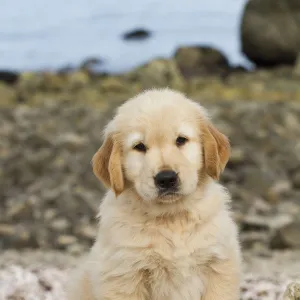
162 145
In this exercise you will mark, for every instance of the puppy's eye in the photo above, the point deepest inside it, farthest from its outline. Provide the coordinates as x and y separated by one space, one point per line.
180 141
140 147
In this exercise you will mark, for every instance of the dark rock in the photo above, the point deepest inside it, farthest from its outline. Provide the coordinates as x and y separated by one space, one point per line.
270 31
9 77
296 179
251 239
200 60
92 65
67 69
137 34
287 237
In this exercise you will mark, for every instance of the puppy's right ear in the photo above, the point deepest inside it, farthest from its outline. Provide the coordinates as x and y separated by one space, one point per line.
107 164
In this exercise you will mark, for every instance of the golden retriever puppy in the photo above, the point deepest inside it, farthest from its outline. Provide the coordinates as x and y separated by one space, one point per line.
165 229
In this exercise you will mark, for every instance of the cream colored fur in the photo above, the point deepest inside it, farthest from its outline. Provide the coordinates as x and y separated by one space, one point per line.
182 246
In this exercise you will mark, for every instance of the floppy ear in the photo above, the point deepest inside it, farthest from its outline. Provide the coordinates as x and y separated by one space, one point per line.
216 148
107 165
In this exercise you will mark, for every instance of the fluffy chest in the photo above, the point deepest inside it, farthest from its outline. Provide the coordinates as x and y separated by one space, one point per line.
176 261
174 244
172 257
183 243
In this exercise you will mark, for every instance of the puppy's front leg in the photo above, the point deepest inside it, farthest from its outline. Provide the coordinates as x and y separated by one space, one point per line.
86 284
223 281
126 286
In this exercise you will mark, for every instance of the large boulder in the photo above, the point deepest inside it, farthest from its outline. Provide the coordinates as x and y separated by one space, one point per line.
200 60
270 31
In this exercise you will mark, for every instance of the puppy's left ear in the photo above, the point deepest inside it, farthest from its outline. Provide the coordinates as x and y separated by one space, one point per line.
107 164
216 149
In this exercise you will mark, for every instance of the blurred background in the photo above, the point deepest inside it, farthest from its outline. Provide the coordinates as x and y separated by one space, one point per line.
66 66
53 35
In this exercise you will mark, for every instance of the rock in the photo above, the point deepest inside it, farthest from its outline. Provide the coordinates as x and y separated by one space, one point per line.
200 60
9 77
237 156
76 249
17 209
157 73
88 232
29 82
297 66
47 81
287 237
71 141
296 179
255 223
66 240
78 80
292 291
270 31
60 224
277 190
137 34
49 214
113 84
66 69
91 64
7 95
255 178
15 236
6 230
53 82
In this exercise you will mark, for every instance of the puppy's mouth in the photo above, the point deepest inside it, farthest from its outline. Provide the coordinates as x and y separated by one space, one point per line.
168 196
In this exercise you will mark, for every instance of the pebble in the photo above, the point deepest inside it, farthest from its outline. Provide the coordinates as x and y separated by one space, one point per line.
60 224
7 230
277 190
287 237
296 180
66 240
88 232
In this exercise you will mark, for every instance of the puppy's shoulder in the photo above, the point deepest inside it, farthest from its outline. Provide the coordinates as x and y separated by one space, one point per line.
226 230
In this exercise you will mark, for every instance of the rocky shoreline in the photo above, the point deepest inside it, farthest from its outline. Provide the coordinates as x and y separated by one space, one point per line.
210 82
50 196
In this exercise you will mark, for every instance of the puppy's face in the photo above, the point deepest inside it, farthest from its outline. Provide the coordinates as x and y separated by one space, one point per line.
160 144
162 156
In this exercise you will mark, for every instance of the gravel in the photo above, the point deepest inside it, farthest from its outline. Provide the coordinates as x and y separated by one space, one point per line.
50 196
30 275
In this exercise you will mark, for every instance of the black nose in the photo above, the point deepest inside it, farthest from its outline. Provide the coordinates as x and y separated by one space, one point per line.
166 179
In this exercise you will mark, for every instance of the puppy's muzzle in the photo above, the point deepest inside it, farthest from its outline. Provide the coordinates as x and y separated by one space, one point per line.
166 180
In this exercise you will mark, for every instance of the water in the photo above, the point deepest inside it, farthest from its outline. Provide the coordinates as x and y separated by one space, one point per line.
37 34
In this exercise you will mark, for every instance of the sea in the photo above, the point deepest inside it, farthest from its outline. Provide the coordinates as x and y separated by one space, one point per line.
48 35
